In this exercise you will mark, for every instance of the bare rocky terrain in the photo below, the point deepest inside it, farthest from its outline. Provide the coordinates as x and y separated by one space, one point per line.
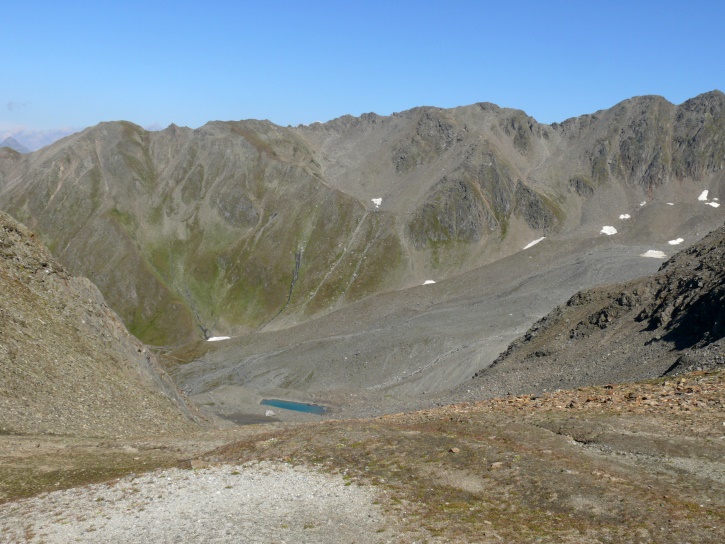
242 226
621 462
666 323
213 504
310 245
396 348
68 366
462 410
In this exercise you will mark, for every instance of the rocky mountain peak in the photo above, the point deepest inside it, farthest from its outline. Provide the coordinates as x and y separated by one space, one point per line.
12 143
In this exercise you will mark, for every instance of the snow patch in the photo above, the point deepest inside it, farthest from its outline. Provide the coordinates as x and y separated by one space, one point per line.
625 216
670 204
643 203
608 230
377 201
713 204
654 254
676 242
428 282
703 195
531 244
217 338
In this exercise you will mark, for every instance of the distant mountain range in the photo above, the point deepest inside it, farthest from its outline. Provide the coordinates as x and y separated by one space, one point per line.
12 143
243 226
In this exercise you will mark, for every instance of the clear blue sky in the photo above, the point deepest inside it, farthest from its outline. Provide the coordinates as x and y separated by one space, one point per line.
71 64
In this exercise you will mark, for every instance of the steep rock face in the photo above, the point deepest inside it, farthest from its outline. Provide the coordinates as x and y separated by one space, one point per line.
454 212
539 212
434 132
237 226
474 200
67 364
648 142
673 321
698 140
689 300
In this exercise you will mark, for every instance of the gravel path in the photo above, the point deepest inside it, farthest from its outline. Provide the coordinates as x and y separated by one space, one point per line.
262 502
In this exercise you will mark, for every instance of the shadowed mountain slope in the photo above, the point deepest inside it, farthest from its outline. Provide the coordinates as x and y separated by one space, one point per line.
670 322
242 226
67 364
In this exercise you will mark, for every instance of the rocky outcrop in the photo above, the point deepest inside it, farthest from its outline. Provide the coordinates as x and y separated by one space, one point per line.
688 295
67 364
435 132
539 212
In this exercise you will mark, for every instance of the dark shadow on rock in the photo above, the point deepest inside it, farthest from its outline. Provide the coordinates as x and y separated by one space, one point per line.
702 323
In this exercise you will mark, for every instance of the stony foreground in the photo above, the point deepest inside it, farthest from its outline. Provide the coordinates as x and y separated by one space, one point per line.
639 462
228 503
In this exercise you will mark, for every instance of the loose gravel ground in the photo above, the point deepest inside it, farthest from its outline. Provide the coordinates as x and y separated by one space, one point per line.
262 502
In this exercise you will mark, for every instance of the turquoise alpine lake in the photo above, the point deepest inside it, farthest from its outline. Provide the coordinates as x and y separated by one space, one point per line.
296 406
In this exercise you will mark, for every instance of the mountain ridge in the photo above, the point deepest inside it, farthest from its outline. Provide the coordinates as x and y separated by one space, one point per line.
245 224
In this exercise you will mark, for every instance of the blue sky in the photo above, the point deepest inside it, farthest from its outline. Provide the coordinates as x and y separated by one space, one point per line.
68 65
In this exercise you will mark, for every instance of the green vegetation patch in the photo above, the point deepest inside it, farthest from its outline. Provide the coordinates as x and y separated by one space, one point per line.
71 467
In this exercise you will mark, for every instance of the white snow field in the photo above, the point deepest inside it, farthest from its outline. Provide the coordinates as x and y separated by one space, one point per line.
654 254
531 244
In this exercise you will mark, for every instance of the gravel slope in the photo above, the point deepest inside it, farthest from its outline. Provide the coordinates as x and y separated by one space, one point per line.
263 502
68 366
